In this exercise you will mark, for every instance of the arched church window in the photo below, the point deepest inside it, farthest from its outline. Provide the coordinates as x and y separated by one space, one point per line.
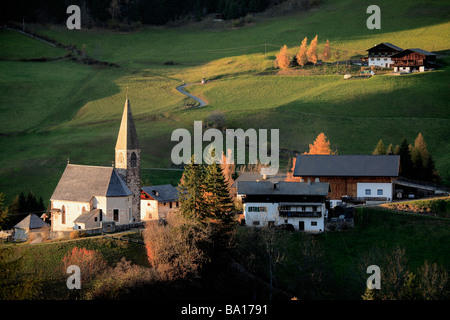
63 215
133 160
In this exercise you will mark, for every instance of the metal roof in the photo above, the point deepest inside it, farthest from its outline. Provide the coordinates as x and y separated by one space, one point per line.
162 193
347 166
31 221
424 52
282 188
256 176
80 183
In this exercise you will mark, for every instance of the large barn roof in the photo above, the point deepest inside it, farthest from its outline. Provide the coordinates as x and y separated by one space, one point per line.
406 51
80 183
347 166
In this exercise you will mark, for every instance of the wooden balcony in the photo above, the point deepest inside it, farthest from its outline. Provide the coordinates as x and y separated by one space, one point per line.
408 63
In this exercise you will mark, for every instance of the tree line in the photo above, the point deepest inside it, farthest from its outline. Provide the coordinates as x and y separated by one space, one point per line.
22 205
416 161
304 55
152 12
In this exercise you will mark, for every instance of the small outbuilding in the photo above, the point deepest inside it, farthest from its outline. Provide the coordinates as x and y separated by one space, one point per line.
32 224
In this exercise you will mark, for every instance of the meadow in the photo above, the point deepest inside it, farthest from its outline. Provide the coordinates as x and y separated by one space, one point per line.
58 111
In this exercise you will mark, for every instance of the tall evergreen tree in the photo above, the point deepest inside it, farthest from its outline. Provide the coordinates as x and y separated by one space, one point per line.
405 159
220 206
192 192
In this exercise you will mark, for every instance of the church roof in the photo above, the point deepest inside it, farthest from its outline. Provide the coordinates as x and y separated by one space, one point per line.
80 183
127 138
31 221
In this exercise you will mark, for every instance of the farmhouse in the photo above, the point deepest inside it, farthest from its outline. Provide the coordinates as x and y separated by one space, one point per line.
301 205
353 178
413 59
88 196
381 55
158 201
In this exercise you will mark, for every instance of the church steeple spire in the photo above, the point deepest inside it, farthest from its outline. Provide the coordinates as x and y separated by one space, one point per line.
127 138
128 157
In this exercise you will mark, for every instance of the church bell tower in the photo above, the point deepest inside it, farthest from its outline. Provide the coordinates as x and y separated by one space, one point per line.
128 158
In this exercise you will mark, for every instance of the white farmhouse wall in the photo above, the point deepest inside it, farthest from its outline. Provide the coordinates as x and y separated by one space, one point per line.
383 62
261 218
386 189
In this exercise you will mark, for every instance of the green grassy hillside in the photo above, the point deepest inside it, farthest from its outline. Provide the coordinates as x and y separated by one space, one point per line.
52 111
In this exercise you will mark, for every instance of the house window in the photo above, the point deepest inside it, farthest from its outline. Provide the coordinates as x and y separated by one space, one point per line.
133 160
256 223
95 219
380 192
116 215
177 204
63 215
368 192
314 223
263 209
100 215
314 208
170 205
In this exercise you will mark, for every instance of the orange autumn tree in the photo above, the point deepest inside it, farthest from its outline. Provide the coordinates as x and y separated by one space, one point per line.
312 51
283 59
301 55
320 146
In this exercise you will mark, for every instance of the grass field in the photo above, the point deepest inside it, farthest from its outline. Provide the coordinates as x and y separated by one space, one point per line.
59 110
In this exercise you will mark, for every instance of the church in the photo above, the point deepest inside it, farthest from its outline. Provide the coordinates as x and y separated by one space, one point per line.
86 197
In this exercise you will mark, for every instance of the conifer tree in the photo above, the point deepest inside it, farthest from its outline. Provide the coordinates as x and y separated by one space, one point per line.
405 159
390 149
320 146
380 148
301 55
312 51
283 60
220 207
191 192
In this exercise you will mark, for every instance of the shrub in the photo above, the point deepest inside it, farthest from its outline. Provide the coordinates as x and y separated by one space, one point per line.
90 262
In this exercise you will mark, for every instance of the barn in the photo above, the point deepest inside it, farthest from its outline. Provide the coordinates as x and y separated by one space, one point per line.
352 178
413 60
